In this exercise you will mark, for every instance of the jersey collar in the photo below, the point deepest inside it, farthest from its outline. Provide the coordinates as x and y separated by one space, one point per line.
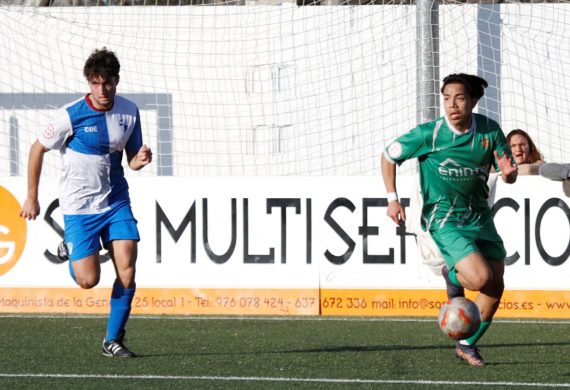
90 104
472 129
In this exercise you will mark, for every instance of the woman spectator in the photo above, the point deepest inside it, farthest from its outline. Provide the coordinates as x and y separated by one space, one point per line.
526 154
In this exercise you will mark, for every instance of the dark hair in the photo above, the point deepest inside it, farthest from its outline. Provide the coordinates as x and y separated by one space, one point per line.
534 154
474 85
102 62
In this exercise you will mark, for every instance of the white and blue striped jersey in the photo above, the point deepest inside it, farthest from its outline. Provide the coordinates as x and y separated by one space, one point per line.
91 143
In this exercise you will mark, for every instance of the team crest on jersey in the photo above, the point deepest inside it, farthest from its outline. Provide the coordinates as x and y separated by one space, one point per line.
395 149
49 131
123 124
485 143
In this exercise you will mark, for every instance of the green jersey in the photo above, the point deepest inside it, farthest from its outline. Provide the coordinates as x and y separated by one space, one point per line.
454 168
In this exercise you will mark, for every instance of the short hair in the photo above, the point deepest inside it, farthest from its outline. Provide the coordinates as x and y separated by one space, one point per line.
534 154
102 62
474 85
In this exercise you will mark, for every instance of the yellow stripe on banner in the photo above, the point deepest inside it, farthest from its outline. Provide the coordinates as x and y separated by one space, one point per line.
332 302
177 301
426 303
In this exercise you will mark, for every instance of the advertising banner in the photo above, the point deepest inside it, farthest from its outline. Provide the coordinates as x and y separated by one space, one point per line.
283 246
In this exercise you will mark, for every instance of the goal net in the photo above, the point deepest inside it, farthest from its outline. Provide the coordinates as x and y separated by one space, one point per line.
282 89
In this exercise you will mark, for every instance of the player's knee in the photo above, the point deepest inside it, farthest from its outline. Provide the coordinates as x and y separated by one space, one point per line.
478 284
87 282
481 280
126 277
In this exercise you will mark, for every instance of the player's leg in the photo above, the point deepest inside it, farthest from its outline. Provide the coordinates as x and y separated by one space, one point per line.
123 253
488 301
86 271
453 287
473 272
83 246
490 296
489 277
121 238
456 246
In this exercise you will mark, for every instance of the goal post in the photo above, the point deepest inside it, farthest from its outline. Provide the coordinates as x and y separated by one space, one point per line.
271 89
427 54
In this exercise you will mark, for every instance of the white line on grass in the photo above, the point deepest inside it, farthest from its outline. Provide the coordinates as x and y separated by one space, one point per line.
283 379
275 318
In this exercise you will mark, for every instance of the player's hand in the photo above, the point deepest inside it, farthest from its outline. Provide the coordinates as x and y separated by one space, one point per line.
506 165
396 212
144 155
30 209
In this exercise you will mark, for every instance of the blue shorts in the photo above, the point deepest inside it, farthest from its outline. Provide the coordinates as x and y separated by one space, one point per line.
84 233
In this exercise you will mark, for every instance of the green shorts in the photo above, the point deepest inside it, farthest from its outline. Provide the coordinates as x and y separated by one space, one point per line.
456 242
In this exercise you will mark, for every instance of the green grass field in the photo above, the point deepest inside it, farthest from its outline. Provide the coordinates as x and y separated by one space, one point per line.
277 353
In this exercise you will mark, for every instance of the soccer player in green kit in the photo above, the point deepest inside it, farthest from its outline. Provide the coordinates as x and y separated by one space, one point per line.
455 154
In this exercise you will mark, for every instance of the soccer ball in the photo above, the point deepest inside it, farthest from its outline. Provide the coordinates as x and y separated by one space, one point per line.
459 318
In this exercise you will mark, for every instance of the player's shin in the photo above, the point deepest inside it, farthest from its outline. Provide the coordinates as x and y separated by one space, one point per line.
121 299
480 332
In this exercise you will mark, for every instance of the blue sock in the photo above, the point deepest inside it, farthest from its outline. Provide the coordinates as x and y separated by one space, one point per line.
121 299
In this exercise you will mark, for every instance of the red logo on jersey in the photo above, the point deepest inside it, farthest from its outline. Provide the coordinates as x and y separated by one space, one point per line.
485 143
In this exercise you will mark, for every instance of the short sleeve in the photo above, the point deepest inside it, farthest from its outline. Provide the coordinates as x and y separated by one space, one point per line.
57 131
405 147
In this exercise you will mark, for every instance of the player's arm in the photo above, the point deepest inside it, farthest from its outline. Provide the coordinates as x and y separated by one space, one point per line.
504 161
508 169
139 159
395 210
410 145
31 206
137 156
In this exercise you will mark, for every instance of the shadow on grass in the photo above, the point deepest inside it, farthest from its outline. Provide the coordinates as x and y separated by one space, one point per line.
371 348
419 347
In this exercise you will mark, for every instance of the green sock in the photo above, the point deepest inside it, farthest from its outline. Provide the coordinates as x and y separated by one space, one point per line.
480 332
453 277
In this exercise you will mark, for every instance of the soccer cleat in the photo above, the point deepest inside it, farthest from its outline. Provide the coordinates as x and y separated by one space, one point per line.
62 252
469 354
554 171
116 348
453 291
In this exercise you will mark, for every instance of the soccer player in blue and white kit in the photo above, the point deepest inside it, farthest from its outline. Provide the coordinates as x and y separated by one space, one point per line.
91 134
